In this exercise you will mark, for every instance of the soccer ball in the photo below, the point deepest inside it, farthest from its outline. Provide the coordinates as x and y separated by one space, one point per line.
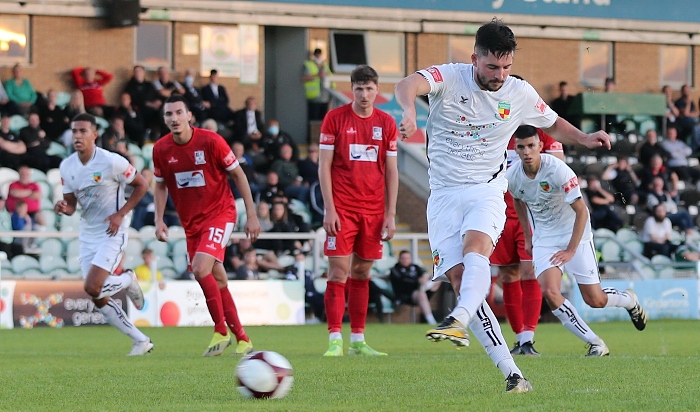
264 374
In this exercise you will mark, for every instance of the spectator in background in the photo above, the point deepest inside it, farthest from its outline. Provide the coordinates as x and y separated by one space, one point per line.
53 119
37 144
651 147
211 125
215 99
248 123
263 211
678 217
165 86
656 234
144 97
685 253
21 221
624 180
609 85
144 210
91 83
562 104
249 269
20 91
409 282
601 202
288 173
248 169
6 105
308 167
133 121
7 243
687 117
194 97
12 149
143 271
317 83
28 192
672 111
233 257
274 138
678 156
272 190
113 134
285 222
655 169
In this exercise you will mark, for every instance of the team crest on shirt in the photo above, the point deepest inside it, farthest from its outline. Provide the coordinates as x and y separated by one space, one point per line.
437 260
199 157
97 177
545 186
376 133
503 111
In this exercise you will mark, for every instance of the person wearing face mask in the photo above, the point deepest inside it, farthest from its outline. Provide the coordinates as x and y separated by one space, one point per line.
274 138
194 98
316 84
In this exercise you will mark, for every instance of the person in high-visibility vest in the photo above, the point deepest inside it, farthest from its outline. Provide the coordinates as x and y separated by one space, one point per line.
316 85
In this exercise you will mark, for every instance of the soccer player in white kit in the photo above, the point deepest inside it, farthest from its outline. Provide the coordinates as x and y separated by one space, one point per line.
548 199
95 179
474 110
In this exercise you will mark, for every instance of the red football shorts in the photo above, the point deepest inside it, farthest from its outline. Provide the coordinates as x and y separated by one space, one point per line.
359 233
510 249
211 239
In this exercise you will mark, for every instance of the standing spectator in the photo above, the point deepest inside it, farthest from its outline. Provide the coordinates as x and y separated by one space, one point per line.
562 104
687 117
216 100
651 147
409 282
20 91
26 191
672 111
143 271
194 97
248 123
6 105
603 214
133 121
657 232
91 83
624 180
308 167
7 243
316 85
165 86
37 145
274 138
53 119
144 97
12 149
678 152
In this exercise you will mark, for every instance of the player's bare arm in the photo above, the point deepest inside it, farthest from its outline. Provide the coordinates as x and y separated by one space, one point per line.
331 222
252 224
160 196
566 133
115 219
67 205
580 223
392 190
521 210
406 92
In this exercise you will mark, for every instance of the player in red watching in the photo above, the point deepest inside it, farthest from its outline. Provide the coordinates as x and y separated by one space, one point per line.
357 170
522 296
193 165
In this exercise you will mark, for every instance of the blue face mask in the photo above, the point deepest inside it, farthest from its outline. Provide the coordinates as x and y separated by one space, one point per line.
189 81
273 130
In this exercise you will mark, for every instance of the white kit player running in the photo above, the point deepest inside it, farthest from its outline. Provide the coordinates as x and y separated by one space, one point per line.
474 110
548 199
95 179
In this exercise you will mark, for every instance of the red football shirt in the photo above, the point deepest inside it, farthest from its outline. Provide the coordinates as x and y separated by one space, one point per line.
360 147
196 175
549 145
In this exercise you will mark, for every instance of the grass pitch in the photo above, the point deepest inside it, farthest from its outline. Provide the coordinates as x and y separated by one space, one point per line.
85 369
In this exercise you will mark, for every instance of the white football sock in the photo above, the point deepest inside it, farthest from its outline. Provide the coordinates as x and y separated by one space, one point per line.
485 328
114 284
476 282
618 299
570 318
335 335
116 317
526 336
357 337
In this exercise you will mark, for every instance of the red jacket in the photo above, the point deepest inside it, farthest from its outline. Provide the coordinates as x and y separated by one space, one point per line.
93 93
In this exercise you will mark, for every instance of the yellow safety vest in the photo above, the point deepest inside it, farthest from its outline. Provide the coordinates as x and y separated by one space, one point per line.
313 86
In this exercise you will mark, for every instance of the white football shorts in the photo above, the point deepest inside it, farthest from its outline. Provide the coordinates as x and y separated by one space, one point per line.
102 251
583 266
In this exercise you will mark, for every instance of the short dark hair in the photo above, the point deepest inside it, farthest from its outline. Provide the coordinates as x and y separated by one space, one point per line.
563 83
86 117
213 72
364 74
525 131
177 98
404 251
496 38
318 51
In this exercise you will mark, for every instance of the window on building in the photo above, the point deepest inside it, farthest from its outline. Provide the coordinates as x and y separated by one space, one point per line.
461 49
14 39
596 63
381 50
676 66
154 44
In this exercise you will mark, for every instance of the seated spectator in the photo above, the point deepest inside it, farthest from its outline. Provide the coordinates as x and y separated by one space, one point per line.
144 97
623 180
91 83
656 168
143 271
7 243
308 167
375 297
263 211
211 125
253 180
144 212
651 147
409 282
134 126
687 117
678 217
602 214
53 119
75 107
28 192
20 91
37 145
274 138
248 123
7 105
313 298
249 269
165 86
282 222
21 221
233 256
288 173
656 234
194 97
122 148
113 134
272 190
684 253
678 156
12 149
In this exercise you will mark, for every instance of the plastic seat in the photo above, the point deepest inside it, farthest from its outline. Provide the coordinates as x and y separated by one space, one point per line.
149 232
50 218
17 122
48 263
610 251
72 248
138 162
134 247
147 152
57 149
624 235
169 273
180 262
46 189
38 176
131 261
8 175
22 263
51 246
159 248
634 245
57 193
73 264
165 263
53 176
134 149
70 224
179 248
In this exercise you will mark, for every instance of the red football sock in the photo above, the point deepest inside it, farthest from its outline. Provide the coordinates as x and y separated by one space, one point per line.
334 300
532 303
213 297
358 299
231 315
513 302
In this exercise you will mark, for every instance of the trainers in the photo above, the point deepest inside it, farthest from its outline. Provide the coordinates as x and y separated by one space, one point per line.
134 291
637 314
335 348
528 349
244 347
141 348
363 349
218 344
517 349
598 350
517 384
449 329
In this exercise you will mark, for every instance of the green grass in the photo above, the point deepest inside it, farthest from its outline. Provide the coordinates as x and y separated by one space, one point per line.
85 369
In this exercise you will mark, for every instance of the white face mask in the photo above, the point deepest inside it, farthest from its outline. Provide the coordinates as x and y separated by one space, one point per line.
189 81
318 60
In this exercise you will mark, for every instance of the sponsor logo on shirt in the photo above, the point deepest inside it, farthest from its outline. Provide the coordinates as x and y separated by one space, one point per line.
97 177
199 157
437 260
364 152
331 242
555 146
229 159
327 139
540 106
570 185
351 130
193 178
503 111
376 133
129 172
437 76
172 160
546 186
393 146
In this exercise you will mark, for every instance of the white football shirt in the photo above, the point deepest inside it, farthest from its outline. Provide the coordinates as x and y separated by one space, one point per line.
548 197
469 128
98 186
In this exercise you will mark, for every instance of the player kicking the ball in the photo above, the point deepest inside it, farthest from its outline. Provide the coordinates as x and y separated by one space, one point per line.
548 198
